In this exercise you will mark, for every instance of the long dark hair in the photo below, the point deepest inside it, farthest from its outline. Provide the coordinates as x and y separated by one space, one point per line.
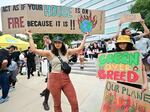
123 32
63 49
129 47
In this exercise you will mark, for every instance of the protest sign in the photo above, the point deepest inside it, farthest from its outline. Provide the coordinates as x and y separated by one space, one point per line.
131 18
121 66
51 19
121 98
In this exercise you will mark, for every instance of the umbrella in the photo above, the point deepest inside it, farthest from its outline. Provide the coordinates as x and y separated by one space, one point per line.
7 40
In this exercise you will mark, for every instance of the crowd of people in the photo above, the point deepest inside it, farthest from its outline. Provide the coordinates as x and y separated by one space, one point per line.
140 41
13 62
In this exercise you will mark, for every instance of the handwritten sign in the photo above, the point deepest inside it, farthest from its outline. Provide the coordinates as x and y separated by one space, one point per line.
51 19
131 18
121 66
121 98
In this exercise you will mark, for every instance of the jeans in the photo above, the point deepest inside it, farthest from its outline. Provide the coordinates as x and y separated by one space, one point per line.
58 82
4 82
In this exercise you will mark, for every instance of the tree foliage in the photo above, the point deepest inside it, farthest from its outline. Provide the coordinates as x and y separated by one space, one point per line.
142 7
68 38
1 33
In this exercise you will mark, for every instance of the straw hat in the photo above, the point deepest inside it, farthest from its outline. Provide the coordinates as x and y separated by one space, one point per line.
123 38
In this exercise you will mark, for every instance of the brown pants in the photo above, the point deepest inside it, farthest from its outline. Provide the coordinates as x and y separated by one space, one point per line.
58 82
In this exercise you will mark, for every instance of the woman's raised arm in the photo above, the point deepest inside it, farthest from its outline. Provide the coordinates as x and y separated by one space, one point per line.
75 50
45 53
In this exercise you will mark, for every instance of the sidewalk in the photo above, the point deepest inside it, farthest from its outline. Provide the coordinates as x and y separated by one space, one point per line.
26 96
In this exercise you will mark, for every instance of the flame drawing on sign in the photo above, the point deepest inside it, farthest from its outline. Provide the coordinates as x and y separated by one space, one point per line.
115 103
87 23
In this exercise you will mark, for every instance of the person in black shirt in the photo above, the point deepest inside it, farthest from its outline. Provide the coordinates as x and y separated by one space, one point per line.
46 92
30 56
4 77
14 54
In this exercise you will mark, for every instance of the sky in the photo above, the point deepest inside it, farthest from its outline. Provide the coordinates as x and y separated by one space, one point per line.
14 2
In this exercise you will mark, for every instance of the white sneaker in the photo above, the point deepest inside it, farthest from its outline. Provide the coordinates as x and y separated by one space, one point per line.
2 100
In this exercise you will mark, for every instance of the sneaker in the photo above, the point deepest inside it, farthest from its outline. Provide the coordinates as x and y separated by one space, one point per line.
0 97
46 106
2 100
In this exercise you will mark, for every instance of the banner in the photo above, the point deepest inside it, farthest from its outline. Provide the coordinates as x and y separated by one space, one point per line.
131 18
121 66
51 19
121 98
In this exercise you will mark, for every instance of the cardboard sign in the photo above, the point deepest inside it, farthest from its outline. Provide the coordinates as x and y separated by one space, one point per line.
131 18
121 66
121 98
51 19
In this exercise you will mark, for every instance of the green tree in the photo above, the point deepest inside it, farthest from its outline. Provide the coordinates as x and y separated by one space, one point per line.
68 38
142 7
1 33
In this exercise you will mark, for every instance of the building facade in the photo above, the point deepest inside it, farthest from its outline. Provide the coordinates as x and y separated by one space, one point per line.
113 10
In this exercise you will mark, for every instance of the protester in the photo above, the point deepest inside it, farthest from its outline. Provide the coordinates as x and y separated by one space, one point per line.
127 31
15 55
102 45
96 50
58 80
30 57
110 45
46 92
124 44
22 62
81 58
47 42
73 58
47 46
14 66
4 75
11 49
13 71
143 44
90 51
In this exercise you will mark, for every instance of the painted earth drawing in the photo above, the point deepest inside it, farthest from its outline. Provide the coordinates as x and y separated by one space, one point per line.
87 22
86 26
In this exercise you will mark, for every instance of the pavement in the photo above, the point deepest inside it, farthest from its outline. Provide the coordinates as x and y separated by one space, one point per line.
26 96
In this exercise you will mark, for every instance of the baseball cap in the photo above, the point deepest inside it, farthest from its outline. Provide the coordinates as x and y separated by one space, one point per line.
58 39
11 46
